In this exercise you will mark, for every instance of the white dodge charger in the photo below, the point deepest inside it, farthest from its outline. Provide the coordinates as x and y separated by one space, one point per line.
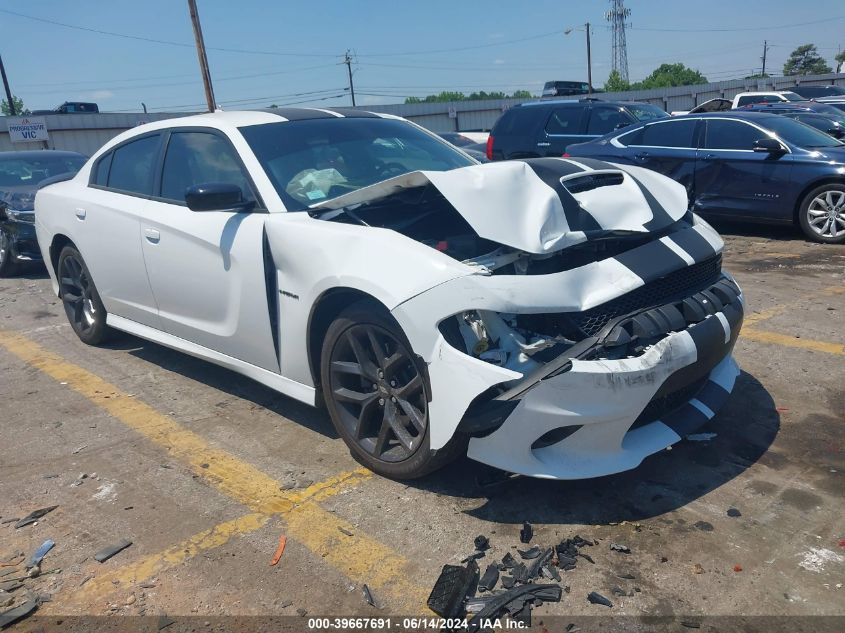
551 317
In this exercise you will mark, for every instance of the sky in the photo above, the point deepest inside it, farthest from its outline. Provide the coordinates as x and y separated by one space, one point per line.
291 51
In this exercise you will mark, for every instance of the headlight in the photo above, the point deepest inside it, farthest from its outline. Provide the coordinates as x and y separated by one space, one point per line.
20 216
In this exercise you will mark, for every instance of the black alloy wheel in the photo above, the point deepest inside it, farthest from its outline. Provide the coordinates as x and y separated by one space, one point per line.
82 304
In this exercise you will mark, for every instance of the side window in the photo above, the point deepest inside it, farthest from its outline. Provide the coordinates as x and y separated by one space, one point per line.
725 134
631 138
195 158
669 134
132 166
604 120
101 175
565 121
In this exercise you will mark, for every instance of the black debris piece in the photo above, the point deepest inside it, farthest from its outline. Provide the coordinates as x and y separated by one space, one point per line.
520 573
489 579
616 547
571 628
663 559
553 572
626 576
474 605
482 543
596 598
11 616
618 591
513 602
734 513
690 624
451 589
107 552
343 530
474 556
580 542
587 557
11 585
704 526
537 564
33 516
368 596
531 552
526 533
508 582
563 560
9 520
508 561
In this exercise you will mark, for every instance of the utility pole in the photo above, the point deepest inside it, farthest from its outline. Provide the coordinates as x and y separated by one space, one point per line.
348 61
765 48
206 74
589 63
9 99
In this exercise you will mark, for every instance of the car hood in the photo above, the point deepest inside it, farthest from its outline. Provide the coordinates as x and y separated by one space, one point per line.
544 205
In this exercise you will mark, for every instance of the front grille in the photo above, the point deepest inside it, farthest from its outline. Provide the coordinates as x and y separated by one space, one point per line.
677 284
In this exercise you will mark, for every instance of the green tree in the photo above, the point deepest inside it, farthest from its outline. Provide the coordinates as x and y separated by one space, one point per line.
447 95
840 60
521 94
20 108
667 75
615 83
805 60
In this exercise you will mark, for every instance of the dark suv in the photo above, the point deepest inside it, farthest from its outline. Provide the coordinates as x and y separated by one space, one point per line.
546 128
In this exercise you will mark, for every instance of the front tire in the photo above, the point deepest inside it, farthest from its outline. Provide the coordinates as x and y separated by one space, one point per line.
8 266
377 394
822 214
80 298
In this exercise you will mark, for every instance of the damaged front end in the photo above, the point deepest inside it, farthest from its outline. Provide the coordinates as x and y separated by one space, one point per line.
595 327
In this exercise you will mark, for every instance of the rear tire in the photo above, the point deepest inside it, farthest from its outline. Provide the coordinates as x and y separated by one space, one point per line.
822 214
377 392
8 266
82 303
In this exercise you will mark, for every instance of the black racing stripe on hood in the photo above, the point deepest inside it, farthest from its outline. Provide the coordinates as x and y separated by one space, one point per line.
593 163
550 171
660 216
694 244
656 261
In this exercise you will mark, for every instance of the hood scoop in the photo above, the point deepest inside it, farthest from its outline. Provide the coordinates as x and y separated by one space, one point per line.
544 205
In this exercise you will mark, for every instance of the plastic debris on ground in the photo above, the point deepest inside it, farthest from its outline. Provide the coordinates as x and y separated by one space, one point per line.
33 516
368 596
734 513
280 549
107 552
40 553
481 543
616 547
596 598
526 532
11 616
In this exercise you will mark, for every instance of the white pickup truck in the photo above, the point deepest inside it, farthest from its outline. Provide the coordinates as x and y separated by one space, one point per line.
742 99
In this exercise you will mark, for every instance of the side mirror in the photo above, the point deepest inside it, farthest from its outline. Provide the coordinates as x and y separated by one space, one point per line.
217 196
836 132
769 145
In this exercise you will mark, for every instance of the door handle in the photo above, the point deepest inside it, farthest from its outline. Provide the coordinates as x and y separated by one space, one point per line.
641 156
152 235
543 144
709 156
80 213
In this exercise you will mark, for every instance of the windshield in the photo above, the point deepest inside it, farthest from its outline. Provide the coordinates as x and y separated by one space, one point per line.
646 112
800 134
29 171
791 96
828 109
311 161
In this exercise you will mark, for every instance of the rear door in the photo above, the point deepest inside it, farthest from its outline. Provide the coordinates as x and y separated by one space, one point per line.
207 269
564 126
109 216
732 180
667 146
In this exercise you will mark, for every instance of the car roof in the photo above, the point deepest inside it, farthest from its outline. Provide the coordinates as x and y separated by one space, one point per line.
240 118
557 102
41 153
728 114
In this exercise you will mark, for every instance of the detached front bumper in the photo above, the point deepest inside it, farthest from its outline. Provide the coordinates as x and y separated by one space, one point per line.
587 418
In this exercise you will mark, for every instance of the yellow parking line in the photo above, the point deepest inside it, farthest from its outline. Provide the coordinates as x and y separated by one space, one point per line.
775 338
362 558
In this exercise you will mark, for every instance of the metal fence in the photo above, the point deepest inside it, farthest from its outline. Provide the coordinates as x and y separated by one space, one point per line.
85 133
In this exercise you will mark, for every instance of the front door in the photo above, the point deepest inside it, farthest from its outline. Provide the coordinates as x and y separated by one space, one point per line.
734 181
207 269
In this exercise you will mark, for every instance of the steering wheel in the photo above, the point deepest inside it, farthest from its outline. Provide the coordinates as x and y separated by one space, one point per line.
389 170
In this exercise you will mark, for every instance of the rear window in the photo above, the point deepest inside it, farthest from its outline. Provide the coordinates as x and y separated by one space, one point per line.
749 99
518 121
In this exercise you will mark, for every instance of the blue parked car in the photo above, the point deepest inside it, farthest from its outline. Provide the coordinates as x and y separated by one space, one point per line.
741 165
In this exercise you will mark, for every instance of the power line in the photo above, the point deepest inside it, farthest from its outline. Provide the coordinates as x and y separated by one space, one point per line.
466 48
734 30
